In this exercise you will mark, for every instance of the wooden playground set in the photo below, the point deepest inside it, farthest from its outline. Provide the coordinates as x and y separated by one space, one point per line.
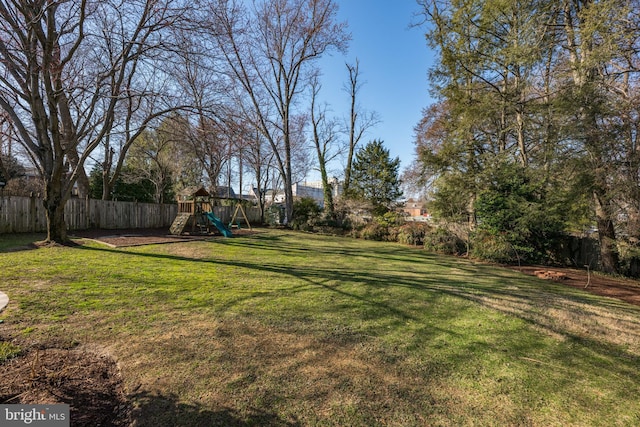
196 214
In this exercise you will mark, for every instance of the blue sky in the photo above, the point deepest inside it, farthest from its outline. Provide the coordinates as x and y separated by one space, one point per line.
394 62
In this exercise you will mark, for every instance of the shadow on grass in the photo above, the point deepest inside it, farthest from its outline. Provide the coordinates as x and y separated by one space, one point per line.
276 243
393 289
380 294
153 410
19 242
326 278
505 291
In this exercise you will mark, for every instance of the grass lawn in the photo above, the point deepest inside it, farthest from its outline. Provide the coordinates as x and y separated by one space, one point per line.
282 328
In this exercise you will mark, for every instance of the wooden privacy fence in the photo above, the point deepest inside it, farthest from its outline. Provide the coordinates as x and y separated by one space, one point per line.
27 215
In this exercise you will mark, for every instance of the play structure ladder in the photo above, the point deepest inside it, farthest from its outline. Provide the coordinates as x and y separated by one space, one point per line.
179 223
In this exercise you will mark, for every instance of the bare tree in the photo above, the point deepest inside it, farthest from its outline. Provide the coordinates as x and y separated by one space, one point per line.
258 157
207 123
208 141
325 139
269 50
150 77
63 95
359 120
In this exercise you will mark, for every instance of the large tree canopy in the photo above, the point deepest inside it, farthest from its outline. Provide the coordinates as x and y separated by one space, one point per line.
550 85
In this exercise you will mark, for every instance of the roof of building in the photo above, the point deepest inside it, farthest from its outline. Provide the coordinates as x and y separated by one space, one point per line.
190 192
224 192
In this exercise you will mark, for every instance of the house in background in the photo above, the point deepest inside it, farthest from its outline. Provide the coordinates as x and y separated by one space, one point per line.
416 211
223 192
311 189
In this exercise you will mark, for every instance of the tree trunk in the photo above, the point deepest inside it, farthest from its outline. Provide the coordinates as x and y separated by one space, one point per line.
54 203
584 74
106 186
606 235
261 203
108 181
327 189
354 73
521 139
82 181
260 194
56 225
288 192
239 195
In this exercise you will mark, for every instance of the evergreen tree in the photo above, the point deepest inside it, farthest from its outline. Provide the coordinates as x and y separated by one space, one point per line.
514 208
375 178
547 85
141 190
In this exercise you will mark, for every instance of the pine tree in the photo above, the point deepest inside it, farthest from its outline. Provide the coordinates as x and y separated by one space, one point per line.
375 178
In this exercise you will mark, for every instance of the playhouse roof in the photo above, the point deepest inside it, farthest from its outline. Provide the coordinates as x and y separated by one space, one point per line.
189 192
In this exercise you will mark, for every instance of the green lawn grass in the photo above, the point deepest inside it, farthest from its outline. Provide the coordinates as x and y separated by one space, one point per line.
282 328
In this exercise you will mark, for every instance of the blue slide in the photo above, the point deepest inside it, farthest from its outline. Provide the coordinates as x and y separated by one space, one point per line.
219 225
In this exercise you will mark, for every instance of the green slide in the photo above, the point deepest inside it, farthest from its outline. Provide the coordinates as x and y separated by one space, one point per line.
219 225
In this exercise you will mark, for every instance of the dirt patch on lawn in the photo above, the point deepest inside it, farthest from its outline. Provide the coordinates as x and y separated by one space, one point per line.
627 290
148 236
89 382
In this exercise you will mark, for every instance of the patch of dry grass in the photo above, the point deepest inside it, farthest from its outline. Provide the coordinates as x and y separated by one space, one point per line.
303 377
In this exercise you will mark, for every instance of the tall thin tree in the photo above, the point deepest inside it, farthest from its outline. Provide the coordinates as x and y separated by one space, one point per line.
359 120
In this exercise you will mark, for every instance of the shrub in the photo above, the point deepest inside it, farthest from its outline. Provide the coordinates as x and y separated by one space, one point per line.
629 258
374 231
413 233
305 214
444 241
519 217
390 219
274 215
494 247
